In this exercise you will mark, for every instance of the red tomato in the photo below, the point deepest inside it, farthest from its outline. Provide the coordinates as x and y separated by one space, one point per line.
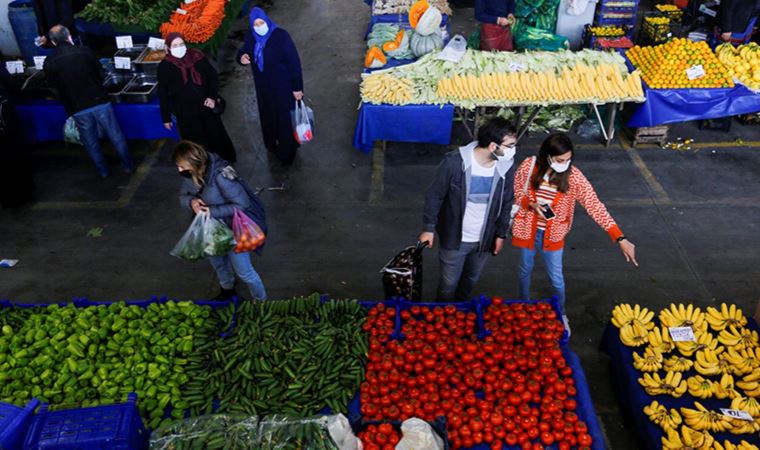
547 438
510 439
584 439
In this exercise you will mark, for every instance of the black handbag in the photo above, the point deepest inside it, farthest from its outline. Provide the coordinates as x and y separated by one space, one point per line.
402 276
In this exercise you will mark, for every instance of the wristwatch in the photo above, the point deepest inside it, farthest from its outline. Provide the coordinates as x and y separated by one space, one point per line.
620 239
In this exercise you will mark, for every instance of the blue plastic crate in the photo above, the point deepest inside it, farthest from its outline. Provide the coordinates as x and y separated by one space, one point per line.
14 422
472 306
553 301
112 427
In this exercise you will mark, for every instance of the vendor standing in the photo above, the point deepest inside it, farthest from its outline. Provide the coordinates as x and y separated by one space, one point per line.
496 19
737 17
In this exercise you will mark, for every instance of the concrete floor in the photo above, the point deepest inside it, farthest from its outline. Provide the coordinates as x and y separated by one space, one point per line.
341 214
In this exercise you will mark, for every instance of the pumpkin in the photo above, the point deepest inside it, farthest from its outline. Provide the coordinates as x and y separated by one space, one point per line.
374 58
416 11
422 45
390 46
402 39
429 22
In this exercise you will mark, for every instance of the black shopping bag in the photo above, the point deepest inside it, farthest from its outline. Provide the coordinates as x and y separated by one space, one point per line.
402 276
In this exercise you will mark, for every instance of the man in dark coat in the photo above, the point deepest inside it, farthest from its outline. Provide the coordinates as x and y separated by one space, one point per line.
279 83
53 12
736 15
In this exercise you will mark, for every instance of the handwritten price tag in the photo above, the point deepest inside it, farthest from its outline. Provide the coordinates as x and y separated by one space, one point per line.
737 414
39 62
695 72
516 67
14 66
122 62
682 334
124 42
156 43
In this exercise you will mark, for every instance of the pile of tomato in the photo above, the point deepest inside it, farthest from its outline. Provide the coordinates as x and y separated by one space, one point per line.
380 437
513 387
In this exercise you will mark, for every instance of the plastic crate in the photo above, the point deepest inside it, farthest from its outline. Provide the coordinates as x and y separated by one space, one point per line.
553 301
14 422
112 427
472 306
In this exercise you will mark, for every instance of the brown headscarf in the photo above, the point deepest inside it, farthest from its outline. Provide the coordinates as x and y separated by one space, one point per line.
187 62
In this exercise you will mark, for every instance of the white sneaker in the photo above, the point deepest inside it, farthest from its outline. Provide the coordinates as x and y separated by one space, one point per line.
566 322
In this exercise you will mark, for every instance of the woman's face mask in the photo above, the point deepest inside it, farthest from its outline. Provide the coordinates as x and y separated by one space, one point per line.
261 29
178 51
559 167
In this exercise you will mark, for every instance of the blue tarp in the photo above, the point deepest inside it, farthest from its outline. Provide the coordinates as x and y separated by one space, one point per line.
43 120
633 398
409 123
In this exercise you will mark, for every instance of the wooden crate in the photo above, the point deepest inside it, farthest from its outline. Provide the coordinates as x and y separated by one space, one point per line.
648 135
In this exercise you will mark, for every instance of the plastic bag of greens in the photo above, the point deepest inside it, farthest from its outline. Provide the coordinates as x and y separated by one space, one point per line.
283 433
71 132
527 37
217 431
204 237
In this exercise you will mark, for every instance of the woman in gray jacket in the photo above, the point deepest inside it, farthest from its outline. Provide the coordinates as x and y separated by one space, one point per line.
213 186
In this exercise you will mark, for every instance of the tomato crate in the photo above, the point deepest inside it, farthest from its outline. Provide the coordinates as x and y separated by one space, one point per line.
14 422
112 427
486 302
472 306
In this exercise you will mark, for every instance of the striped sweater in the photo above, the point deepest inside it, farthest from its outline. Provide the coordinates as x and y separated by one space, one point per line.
580 190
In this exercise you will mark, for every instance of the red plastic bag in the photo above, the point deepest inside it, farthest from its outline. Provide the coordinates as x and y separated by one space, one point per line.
248 234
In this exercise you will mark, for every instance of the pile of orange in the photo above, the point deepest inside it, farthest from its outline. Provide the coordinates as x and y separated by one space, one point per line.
664 66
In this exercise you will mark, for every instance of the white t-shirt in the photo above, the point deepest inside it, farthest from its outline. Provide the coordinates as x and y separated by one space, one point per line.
477 201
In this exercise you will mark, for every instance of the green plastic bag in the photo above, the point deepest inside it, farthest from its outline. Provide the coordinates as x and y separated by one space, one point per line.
540 14
527 37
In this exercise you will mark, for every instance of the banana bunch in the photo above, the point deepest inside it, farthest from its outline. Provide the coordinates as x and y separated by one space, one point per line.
725 388
742 63
672 384
677 364
649 361
739 338
739 426
728 445
747 404
623 314
700 387
750 384
378 88
712 362
659 339
744 361
705 341
702 419
634 334
684 316
659 414
727 316
687 439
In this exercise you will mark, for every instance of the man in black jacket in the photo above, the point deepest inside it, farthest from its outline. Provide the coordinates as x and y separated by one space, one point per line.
53 12
75 73
469 205
736 15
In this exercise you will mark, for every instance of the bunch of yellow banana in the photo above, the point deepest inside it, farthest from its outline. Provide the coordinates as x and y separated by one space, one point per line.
634 334
742 63
700 387
744 361
684 316
672 384
728 445
623 314
725 388
702 419
750 384
378 88
739 426
649 361
739 338
677 364
727 316
687 439
659 339
712 362
659 414
747 404
705 341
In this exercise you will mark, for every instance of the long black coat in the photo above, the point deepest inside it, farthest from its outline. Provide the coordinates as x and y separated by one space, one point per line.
195 121
736 14
274 90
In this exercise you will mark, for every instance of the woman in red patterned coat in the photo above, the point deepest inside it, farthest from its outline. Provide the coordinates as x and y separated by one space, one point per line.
546 189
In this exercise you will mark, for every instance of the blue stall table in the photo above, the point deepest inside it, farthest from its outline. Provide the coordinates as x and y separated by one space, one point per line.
409 123
43 120
633 398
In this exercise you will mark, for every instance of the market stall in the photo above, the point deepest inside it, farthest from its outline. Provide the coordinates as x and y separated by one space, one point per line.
708 370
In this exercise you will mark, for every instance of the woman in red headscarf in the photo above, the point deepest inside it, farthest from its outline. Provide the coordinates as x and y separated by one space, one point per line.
188 86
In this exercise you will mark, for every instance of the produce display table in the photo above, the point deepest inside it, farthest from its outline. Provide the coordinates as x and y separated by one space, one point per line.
409 123
633 398
665 106
43 120
402 20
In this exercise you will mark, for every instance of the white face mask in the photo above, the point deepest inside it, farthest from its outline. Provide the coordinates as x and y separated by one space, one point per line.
559 167
261 30
178 52
509 153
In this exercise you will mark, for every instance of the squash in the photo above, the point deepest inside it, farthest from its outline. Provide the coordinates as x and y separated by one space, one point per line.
402 39
422 45
416 11
374 58
390 46
429 22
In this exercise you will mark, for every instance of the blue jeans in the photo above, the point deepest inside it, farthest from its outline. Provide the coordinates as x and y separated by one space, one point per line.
238 263
553 263
460 270
89 123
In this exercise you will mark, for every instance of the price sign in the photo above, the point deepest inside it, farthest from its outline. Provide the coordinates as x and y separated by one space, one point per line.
39 62
695 72
15 66
708 11
737 414
156 43
124 42
516 67
682 334
181 11
122 62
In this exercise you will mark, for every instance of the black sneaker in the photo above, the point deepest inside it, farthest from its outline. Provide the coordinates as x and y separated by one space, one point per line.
225 294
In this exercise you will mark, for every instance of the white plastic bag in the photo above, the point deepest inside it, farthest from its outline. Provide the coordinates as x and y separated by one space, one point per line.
71 132
341 432
204 237
454 50
418 435
303 122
